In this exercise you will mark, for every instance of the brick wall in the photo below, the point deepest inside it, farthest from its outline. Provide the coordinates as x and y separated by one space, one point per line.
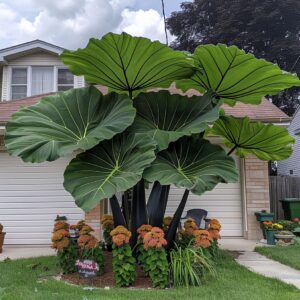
256 192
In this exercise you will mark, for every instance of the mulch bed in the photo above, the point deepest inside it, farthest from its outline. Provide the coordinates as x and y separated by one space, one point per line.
107 279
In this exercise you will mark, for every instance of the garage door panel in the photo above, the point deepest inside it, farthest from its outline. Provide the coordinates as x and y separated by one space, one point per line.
31 196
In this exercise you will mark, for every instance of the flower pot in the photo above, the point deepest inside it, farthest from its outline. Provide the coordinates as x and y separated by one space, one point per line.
284 239
264 216
270 235
2 235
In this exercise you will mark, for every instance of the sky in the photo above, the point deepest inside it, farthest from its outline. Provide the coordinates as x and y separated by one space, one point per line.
70 23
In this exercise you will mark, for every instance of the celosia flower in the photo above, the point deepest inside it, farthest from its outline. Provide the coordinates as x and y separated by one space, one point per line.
214 233
142 230
190 226
59 234
107 222
80 224
154 238
62 244
87 241
202 238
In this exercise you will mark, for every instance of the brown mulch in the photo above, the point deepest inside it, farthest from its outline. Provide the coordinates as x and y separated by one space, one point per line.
107 279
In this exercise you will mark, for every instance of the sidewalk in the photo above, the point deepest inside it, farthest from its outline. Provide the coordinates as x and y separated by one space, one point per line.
25 252
260 264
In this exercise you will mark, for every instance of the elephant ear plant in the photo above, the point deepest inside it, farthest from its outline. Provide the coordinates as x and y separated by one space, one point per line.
139 131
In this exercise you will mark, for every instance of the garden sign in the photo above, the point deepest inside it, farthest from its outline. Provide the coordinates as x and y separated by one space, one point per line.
87 268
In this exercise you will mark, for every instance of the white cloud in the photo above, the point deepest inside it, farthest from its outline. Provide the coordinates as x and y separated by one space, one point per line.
147 23
70 24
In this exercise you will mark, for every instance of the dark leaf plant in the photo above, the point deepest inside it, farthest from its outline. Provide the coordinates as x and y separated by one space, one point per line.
139 131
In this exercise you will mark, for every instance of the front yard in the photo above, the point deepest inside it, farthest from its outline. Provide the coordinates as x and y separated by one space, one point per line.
286 255
33 279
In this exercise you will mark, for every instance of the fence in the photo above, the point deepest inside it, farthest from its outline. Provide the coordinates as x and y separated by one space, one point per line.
282 187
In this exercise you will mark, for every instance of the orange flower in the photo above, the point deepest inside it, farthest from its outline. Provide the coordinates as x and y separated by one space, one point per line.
190 226
120 236
214 224
61 225
142 230
86 229
107 222
214 233
154 238
202 238
80 224
167 221
59 235
87 241
62 244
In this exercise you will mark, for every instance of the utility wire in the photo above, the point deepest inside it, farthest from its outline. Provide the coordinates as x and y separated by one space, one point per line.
165 21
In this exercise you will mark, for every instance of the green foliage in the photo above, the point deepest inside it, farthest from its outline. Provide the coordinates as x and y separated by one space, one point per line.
267 142
167 117
67 121
112 166
192 163
142 257
128 64
123 265
289 225
235 75
155 263
95 254
67 258
188 265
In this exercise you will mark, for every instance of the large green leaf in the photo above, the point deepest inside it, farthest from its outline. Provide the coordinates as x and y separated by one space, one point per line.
128 64
267 142
167 117
110 167
235 75
67 121
192 163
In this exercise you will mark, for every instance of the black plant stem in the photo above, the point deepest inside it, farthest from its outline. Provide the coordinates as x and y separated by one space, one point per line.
232 150
126 207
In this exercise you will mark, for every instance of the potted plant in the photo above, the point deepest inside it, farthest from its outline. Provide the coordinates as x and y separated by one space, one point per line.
270 230
284 238
263 215
2 235
296 232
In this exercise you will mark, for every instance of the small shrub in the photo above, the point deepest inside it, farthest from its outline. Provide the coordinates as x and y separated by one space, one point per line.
123 260
188 266
67 250
155 260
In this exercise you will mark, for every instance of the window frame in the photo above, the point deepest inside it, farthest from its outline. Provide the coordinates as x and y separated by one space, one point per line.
16 84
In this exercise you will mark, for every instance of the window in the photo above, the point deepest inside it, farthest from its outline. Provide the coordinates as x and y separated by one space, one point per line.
42 79
18 83
65 80
37 80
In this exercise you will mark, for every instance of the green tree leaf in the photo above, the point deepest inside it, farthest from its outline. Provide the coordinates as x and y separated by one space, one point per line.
167 117
267 142
112 166
62 123
235 75
192 163
128 64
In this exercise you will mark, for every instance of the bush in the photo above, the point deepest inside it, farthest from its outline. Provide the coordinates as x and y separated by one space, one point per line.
67 258
123 260
95 254
154 258
188 266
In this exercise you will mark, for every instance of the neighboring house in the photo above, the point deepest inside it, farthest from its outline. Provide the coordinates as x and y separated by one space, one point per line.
291 166
32 194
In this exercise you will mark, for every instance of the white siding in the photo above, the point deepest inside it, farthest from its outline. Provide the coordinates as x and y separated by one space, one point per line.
31 195
293 162
5 84
1 76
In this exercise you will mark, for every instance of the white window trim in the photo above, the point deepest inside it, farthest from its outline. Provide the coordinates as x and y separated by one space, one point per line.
29 77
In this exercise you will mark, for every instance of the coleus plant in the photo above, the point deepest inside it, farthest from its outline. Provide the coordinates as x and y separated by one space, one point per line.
139 131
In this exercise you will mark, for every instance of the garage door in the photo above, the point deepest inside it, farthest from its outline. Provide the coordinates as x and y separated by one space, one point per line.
31 195
223 203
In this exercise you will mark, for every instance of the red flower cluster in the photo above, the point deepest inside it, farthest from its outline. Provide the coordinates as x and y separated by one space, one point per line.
154 238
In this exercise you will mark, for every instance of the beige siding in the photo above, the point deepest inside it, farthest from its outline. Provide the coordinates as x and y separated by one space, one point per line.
1 76
37 59
5 84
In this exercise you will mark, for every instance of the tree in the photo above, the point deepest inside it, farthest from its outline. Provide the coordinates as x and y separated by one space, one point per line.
133 134
269 29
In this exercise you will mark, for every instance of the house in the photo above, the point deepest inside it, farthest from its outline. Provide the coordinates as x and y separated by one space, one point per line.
291 166
31 195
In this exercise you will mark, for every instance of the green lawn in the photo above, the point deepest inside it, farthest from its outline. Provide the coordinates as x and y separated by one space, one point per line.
32 279
287 255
